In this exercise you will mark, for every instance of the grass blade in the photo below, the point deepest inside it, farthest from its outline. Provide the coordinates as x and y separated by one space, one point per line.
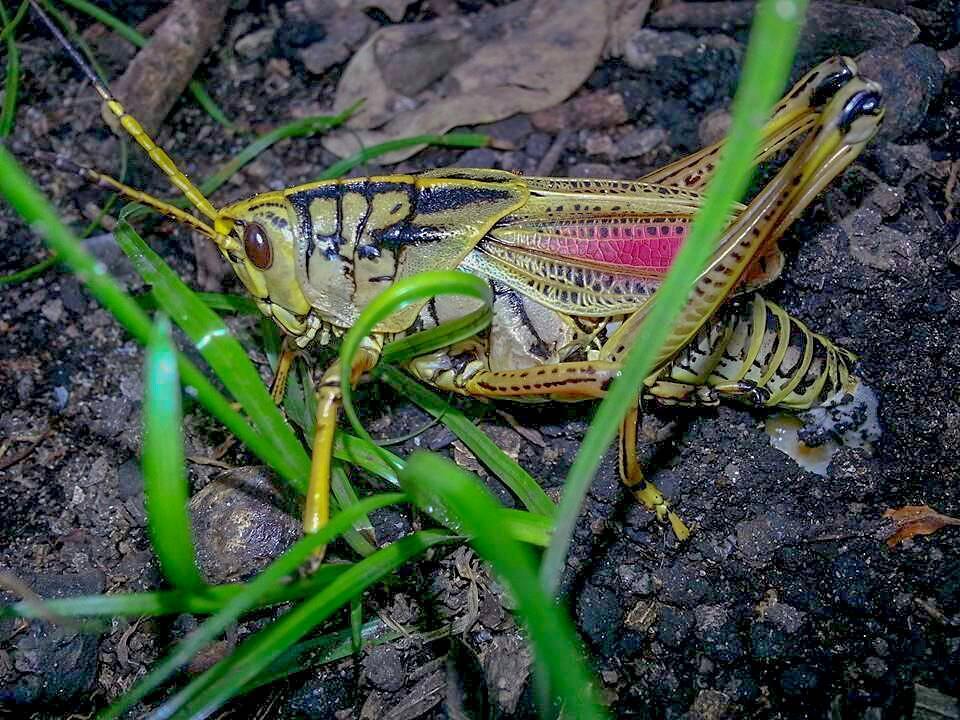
769 57
220 349
11 85
227 678
398 296
304 127
500 464
461 140
221 302
248 598
23 196
212 599
436 484
164 475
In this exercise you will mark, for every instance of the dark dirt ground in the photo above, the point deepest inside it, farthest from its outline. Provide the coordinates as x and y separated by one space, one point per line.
785 603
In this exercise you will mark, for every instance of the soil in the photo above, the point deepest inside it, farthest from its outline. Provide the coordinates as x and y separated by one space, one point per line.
785 603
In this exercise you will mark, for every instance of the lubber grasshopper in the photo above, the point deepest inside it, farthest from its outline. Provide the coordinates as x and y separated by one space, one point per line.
573 265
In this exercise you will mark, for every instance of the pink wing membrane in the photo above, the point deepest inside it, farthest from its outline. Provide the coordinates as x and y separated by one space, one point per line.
640 245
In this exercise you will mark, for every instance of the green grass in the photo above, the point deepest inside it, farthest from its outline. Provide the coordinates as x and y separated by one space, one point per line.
452 498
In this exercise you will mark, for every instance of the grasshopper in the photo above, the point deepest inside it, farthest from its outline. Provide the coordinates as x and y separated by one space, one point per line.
573 265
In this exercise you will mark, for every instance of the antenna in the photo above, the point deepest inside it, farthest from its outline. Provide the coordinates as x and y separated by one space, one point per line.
134 129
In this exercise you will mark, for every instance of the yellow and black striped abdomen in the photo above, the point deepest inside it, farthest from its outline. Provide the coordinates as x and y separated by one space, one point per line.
753 349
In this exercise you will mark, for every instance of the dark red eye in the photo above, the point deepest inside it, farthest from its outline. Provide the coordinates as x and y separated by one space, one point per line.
257 246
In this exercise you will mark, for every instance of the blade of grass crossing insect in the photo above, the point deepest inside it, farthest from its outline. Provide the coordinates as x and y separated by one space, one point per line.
20 192
164 474
8 112
502 465
436 484
247 598
139 41
463 140
218 347
425 341
399 295
256 655
769 57
221 302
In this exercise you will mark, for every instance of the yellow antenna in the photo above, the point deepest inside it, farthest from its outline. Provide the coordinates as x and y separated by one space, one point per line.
135 130
97 178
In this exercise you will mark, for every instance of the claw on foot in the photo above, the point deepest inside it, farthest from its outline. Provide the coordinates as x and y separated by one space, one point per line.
653 500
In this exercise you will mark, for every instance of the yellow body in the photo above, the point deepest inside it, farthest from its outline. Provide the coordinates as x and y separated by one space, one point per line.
572 263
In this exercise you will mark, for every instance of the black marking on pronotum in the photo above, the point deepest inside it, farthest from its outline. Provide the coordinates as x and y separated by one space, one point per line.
301 201
438 198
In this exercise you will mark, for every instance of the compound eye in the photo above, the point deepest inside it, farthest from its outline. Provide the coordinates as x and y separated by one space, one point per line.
256 245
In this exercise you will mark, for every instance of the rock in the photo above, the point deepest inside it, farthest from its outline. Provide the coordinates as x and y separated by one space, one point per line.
599 143
637 143
644 47
321 697
537 144
506 665
599 613
238 527
297 31
477 158
709 705
344 29
768 642
682 585
760 538
799 680
786 617
716 629
911 78
714 126
831 28
255 45
852 583
673 626
590 170
320 57
52 664
876 245
514 129
593 110
52 310
383 668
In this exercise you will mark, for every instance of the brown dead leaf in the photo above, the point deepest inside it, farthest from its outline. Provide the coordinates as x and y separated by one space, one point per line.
911 520
432 76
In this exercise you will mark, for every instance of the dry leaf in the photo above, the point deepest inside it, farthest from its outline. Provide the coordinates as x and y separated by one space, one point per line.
911 520
430 77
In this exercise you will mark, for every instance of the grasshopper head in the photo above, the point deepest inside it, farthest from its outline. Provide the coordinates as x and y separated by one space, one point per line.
259 242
